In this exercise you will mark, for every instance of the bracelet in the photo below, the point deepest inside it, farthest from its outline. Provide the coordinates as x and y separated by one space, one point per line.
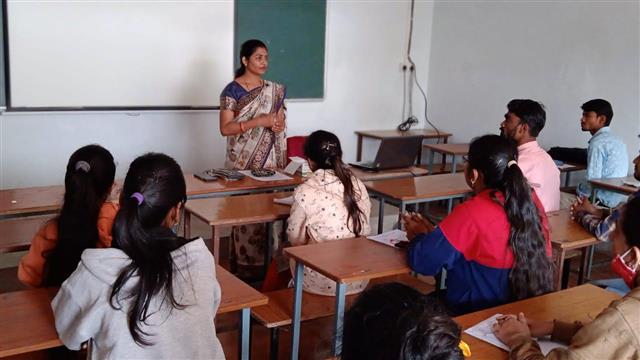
242 127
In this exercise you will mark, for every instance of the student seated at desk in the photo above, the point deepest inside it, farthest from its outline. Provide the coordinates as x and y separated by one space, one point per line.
614 334
495 246
153 295
602 223
84 222
607 153
394 321
332 204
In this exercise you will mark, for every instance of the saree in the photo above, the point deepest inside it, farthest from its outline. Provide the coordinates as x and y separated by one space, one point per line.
258 147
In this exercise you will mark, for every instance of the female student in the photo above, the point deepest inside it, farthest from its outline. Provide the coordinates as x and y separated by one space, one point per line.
252 117
495 246
153 294
394 321
84 222
614 334
331 205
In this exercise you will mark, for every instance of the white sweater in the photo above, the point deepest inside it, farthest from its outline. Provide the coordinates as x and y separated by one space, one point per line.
82 309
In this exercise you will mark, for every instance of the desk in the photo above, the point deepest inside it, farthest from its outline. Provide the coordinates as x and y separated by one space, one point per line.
236 210
567 169
48 199
387 134
578 303
342 261
236 295
407 172
407 191
614 184
446 149
28 325
568 235
16 234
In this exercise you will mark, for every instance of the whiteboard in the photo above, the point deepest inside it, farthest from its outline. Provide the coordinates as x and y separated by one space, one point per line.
119 53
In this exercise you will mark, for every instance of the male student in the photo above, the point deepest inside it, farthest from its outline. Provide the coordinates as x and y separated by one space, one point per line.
522 123
602 224
606 155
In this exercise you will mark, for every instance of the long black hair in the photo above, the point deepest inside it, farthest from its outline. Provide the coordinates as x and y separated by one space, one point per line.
629 222
153 186
246 50
532 272
395 321
87 182
323 148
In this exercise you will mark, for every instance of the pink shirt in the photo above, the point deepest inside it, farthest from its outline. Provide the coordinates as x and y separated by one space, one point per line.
542 173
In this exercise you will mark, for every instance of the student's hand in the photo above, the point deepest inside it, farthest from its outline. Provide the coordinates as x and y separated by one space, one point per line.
415 224
540 328
582 204
512 330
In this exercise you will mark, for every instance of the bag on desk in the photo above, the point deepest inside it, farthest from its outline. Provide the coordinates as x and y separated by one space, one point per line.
570 155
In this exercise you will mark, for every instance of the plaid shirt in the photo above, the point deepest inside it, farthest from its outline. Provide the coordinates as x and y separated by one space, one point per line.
603 228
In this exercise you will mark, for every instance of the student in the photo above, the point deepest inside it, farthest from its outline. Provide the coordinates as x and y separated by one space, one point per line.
331 205
522 123
602 223
606 155
614 334
495 246
394 321
84 222
153 295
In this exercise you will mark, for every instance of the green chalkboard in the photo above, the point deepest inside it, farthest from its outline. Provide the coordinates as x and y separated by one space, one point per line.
294 31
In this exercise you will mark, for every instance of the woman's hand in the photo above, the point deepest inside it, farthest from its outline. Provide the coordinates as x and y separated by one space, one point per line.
280 123
582 204
415 224
512 330
540 328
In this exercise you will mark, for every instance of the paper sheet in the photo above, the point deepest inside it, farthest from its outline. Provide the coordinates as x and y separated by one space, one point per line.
632 183
284 201
390 238
275 177
484 331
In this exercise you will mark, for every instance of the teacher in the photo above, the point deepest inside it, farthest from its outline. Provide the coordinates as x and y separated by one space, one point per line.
252 117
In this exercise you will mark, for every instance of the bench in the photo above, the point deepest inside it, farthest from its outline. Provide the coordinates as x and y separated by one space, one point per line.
16 234
277 312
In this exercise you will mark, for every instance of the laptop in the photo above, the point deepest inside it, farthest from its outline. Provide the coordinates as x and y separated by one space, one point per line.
394 153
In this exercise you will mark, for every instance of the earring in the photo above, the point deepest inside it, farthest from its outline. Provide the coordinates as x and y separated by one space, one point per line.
473 182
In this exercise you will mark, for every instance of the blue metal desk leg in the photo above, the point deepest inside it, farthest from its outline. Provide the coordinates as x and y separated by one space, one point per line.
245 333
432 156
341 290
380 214
268 248
403 208
453 164
297 310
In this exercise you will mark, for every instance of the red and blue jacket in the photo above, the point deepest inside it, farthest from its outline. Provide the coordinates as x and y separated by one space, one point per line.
472 244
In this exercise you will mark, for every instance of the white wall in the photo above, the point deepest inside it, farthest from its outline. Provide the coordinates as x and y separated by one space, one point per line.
561 53
366 42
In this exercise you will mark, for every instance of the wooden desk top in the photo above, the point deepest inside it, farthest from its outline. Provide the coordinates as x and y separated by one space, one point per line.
422 187
450 149
616 184
199 187
27 321
16 234
242 209
28 325
582 303
384 134
566 233
31 200
352 259
236 294
49 198
407 172
568 167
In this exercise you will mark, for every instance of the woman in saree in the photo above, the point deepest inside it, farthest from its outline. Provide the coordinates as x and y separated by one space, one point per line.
252 117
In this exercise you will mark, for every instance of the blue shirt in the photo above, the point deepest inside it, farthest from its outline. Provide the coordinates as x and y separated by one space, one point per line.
606 158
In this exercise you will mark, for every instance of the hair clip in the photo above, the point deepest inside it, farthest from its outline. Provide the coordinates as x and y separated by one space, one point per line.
83 165
138 196
511 163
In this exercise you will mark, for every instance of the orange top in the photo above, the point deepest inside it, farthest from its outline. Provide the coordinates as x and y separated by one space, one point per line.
32 265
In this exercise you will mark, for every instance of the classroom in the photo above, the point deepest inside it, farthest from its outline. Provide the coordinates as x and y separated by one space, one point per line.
342 76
